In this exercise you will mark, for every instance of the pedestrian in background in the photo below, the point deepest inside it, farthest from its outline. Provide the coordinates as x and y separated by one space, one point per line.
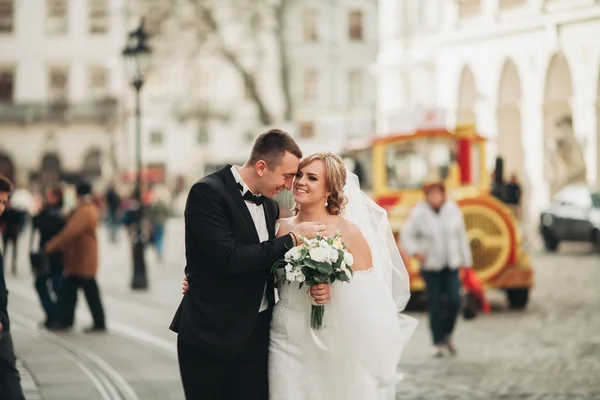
10 380
113 204
48 277
513 195
79 245
158 213
435 235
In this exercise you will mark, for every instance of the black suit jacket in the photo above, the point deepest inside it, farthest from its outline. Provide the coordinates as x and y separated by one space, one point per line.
227 266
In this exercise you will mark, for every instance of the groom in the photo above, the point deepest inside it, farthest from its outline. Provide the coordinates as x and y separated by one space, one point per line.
223 321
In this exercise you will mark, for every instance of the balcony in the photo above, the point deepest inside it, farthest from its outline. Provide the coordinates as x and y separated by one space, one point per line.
511 4
103 112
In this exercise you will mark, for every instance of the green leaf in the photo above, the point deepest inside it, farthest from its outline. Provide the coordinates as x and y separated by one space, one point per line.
310 263
332 279
325 268
342 277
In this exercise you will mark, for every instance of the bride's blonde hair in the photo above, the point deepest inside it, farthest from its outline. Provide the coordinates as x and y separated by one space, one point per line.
335 180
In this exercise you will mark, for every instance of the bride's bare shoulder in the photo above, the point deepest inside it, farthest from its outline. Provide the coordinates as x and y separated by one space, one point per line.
348 228
357 245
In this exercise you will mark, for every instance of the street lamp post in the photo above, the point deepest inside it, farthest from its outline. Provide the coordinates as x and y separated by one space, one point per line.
137 57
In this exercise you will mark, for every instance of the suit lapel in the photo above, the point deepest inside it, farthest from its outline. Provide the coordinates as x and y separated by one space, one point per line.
236 195
269 218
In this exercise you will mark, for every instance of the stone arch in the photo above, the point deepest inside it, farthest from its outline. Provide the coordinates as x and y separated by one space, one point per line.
467 97
509 139
92 164
564 161
7 167
50 169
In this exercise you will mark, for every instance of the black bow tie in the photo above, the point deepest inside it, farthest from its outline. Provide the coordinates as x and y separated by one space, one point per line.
248 196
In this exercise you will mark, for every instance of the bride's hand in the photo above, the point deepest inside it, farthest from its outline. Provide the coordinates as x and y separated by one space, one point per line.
185 286
320 293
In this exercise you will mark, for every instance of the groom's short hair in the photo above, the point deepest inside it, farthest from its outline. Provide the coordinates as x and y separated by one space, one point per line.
271 146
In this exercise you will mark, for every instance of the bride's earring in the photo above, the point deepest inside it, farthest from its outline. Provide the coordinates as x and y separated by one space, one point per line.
326 203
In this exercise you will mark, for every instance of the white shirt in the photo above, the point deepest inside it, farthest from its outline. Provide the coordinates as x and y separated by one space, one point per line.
441 236
260 222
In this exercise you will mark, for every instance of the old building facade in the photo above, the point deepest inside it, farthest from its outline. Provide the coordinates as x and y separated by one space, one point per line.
525 71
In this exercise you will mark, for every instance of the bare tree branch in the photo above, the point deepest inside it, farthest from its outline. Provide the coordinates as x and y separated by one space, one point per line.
259 22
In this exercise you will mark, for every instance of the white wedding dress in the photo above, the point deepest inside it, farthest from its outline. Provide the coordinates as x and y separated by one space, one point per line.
355 355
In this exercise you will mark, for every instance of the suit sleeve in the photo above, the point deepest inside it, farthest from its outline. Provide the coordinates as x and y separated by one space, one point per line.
212 231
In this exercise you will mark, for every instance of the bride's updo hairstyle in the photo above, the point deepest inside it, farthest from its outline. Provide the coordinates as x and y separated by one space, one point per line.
335 180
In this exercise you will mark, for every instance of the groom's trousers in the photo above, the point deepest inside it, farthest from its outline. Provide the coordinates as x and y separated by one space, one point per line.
245 377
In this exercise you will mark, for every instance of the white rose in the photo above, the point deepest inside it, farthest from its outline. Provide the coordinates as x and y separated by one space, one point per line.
348 259
290 276
324 243
293 254
319 254
300 278
288 267
333 255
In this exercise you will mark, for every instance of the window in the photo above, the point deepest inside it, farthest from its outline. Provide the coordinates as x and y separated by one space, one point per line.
307 129
202 134
6 16
355 85
469 8
309 26
98 82
156 138
58 79
6 85
409 164
596 200
56 17
310 84
98 16
355 25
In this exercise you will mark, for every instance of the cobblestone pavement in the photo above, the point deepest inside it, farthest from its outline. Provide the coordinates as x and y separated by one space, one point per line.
549 351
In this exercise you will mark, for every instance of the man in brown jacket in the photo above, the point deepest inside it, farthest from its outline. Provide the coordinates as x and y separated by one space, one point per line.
79 246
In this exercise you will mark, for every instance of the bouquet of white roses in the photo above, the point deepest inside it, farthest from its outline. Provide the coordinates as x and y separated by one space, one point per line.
314 261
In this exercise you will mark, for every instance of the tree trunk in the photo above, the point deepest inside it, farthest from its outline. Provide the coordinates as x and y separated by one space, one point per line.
284 72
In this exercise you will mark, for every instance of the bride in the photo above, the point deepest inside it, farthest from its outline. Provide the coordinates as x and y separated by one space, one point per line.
355 354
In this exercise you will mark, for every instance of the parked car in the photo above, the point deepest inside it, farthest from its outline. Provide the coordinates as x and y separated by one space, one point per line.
573 216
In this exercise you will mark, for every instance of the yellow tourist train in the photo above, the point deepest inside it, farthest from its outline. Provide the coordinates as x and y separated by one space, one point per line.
392 170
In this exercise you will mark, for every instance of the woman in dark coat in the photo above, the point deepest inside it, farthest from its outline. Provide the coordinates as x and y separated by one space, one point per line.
48 281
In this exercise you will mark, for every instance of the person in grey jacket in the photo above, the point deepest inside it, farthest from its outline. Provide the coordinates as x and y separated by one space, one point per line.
435 235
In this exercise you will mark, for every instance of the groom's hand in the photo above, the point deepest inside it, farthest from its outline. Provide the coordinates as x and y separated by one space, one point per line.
320 293
185 286
309 229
